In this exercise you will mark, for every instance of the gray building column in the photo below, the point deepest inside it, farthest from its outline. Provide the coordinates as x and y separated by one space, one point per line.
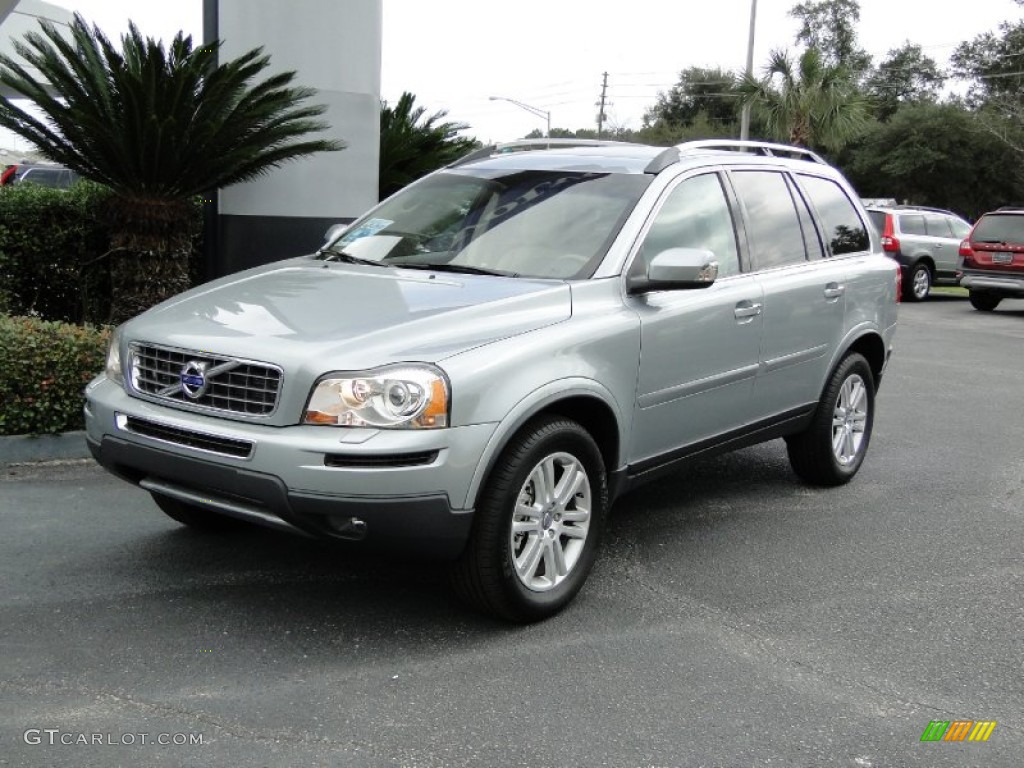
335 47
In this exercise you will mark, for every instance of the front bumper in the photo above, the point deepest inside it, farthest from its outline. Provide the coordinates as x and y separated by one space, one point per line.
393 489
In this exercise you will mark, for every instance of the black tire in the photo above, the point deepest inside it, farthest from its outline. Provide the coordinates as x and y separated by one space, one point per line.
812 453
984 301
485 576
196 517
918 284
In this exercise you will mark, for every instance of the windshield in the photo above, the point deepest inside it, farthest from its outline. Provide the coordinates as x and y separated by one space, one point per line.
548 224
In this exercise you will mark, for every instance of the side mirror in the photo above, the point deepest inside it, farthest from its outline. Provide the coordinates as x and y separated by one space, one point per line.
676 269
333 231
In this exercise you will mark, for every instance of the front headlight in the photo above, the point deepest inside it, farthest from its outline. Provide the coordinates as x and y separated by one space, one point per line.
396 397
113 369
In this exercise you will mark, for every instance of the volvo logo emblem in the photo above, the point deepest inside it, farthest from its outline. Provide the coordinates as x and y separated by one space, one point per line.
193 379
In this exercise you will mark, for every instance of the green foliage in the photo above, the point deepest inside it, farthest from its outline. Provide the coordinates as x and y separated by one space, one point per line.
156 124
665 134
700 92
46 366
934 154
54 260
157 127
412 143
806 101
50 240
906 76
994 65
830 27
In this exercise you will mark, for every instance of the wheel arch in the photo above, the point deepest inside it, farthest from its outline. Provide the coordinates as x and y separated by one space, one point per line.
585 402
871 345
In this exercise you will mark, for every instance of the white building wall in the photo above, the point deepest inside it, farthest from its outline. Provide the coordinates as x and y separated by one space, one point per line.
335 47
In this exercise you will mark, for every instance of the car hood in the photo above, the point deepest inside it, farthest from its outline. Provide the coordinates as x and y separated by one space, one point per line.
302 313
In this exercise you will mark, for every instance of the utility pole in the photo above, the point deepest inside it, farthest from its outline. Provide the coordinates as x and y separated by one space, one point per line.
745 115
601 105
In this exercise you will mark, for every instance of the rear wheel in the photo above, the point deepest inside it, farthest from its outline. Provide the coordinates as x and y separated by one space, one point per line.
984 301
199 518
537 524
919 284
832 448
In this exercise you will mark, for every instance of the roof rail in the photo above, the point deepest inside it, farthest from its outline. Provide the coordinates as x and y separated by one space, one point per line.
929 208
756 147
526 145
764 148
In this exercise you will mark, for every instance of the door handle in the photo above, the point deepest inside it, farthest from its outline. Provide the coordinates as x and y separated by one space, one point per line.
834 290
746 309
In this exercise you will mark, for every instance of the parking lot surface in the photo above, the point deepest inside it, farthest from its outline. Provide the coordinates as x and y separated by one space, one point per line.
734 618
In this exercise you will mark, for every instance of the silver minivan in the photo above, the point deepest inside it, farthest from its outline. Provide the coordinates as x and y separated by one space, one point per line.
479 366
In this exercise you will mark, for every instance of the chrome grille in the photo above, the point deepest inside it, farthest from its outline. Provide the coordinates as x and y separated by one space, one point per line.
228 384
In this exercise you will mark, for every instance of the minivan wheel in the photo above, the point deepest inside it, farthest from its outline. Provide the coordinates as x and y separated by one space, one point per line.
831 450
984 301
537 523
919 285
196 517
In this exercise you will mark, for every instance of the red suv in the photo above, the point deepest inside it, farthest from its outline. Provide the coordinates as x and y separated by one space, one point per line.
992 259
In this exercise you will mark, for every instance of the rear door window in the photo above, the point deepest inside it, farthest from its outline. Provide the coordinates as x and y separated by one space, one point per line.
938 226
913 224
774 234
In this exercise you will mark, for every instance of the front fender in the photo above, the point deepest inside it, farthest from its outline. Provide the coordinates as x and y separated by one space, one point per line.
529 406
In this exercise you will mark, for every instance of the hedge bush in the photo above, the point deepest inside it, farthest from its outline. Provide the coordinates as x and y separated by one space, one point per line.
45 366
54 246
51 241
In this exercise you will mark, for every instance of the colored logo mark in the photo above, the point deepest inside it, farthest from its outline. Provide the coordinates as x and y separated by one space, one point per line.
958 730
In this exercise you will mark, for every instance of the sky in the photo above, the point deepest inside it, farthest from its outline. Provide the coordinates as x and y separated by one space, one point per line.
552 54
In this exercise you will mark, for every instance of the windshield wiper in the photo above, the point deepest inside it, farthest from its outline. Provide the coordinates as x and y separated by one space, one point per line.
463 268
328 254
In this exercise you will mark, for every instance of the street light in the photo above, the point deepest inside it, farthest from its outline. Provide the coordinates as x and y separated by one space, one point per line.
532 110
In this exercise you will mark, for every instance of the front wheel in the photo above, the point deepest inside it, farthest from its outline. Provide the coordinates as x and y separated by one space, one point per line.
984 301
537 523
831 450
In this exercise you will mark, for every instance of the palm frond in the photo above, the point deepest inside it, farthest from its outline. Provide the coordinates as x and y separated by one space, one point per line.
156 122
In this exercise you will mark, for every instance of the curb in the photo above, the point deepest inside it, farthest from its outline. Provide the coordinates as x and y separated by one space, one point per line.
19 449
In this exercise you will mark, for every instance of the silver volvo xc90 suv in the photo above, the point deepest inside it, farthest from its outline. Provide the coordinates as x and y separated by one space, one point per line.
478 367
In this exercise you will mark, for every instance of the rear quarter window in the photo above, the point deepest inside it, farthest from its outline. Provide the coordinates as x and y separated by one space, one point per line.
844 230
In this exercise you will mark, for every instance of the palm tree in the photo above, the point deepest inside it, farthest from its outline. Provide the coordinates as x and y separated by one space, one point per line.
158 128
806 102
413 144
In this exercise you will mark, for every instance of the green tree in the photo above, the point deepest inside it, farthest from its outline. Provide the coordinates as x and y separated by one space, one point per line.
993 63
806 101
934 154
700 91
412 143
906 76
830 27
158 127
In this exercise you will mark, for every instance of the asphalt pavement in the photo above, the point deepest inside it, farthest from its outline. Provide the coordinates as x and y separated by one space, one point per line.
734 618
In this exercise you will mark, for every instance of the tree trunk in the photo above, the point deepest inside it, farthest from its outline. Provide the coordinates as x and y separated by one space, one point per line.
142 279
152 243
